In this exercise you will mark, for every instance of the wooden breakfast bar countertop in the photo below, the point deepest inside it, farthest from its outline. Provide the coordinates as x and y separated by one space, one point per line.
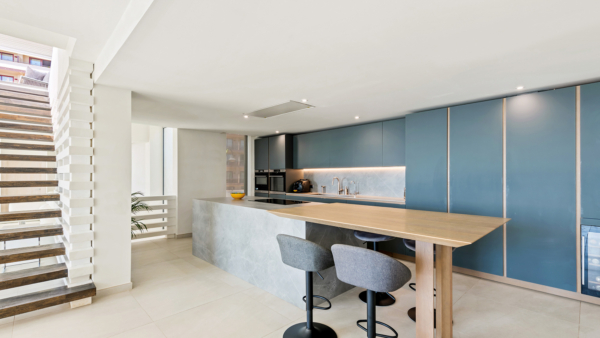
428 228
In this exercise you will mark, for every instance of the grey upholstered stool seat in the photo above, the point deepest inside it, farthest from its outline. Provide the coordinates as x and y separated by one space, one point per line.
309 257
373 271
381 298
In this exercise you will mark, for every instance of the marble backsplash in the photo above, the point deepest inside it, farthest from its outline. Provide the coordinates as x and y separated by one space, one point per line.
384 182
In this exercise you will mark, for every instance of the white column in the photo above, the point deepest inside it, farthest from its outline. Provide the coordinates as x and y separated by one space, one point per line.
112 179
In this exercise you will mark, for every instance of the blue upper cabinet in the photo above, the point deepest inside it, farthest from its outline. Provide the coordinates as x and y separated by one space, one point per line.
476 179
590 151
426 160
367 145
341 148
311 150
277 152
540 187
261 154
393 143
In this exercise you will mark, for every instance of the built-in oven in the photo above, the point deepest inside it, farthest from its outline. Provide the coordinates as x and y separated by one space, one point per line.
277 181
261 181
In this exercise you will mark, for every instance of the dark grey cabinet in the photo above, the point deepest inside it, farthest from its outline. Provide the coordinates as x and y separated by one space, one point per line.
393 143
261 154
280 152
540 188
311 150
590 151
367 144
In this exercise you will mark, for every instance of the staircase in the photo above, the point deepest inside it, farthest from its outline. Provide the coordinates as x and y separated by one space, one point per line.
25 131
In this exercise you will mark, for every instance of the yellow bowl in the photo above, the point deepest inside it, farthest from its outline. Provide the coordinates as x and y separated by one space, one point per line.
238 195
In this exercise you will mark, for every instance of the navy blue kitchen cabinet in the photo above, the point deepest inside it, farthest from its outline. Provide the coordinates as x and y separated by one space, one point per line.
476 179
590 151
311 150
540 187
367 145
426 160
393 143
261 154
341 150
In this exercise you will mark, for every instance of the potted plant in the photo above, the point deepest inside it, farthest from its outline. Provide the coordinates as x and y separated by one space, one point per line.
137 206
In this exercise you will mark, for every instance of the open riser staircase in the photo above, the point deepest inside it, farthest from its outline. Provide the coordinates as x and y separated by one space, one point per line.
31 276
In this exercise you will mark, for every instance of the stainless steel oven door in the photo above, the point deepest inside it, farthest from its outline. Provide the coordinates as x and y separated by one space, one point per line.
277 183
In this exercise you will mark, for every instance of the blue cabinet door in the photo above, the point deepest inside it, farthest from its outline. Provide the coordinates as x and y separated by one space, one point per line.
476 179
277 152
590 151
393 143
341 147
261 154
311 150
367 145
426 160
540 187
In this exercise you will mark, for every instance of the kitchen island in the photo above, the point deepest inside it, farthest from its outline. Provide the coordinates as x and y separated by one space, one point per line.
240 238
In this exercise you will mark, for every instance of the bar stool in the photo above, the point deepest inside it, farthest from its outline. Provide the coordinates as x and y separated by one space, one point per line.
373 271
381 298
309 257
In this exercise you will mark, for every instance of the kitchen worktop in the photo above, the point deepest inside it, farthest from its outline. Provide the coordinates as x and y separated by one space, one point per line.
250 202
365 198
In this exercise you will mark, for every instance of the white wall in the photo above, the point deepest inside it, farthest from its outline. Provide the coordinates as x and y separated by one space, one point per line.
147 159
201 171
112 183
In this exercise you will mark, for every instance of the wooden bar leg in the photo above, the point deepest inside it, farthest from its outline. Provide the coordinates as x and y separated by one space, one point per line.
443 283
425 275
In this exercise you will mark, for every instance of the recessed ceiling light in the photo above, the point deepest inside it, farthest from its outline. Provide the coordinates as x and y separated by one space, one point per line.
304 100
520 87
277 132
356 117
245 116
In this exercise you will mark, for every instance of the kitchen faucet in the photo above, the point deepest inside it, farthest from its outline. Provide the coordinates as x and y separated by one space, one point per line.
355 187
340 190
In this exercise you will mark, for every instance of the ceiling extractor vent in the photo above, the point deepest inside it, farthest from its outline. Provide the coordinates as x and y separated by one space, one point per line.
280 109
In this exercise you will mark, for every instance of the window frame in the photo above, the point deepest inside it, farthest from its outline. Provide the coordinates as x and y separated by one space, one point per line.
2 54
40 60
3 76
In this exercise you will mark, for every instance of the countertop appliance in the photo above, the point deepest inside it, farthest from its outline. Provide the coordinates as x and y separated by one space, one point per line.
280 201
590 260
301 185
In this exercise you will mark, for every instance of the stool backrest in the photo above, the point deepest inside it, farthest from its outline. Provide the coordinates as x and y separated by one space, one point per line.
304 255
369 269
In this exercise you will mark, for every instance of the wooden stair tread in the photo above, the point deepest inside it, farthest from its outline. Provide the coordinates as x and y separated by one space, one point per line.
31 252
26 127
23 170
27 146
24 89
43 299
40 274
30 232
36 158
27 215
29 198
24 103
25 111
23 96
31 137
28 184
26 118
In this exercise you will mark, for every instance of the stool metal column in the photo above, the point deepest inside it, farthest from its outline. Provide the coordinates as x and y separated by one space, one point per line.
381 298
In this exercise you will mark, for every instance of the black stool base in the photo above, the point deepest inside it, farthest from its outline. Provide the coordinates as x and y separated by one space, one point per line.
300 331
381 298
412 314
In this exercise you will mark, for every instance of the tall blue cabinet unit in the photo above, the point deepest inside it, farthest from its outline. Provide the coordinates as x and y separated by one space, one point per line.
394 137
590 153
426 160
476 179
540 186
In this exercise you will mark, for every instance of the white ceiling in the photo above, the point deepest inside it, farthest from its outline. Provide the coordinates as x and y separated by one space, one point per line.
91 22
203 64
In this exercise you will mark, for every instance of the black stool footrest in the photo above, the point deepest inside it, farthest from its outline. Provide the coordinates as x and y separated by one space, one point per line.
378 334
319 307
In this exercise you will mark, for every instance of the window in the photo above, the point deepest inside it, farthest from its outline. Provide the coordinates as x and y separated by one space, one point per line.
7 57
35 62
5 78
236 163
46 63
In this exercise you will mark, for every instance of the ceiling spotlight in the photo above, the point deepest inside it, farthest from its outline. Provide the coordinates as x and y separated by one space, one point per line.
277 132
520 87
245 116
356 117
304 100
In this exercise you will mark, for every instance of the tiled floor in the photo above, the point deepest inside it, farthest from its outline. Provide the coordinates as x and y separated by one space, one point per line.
176 295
